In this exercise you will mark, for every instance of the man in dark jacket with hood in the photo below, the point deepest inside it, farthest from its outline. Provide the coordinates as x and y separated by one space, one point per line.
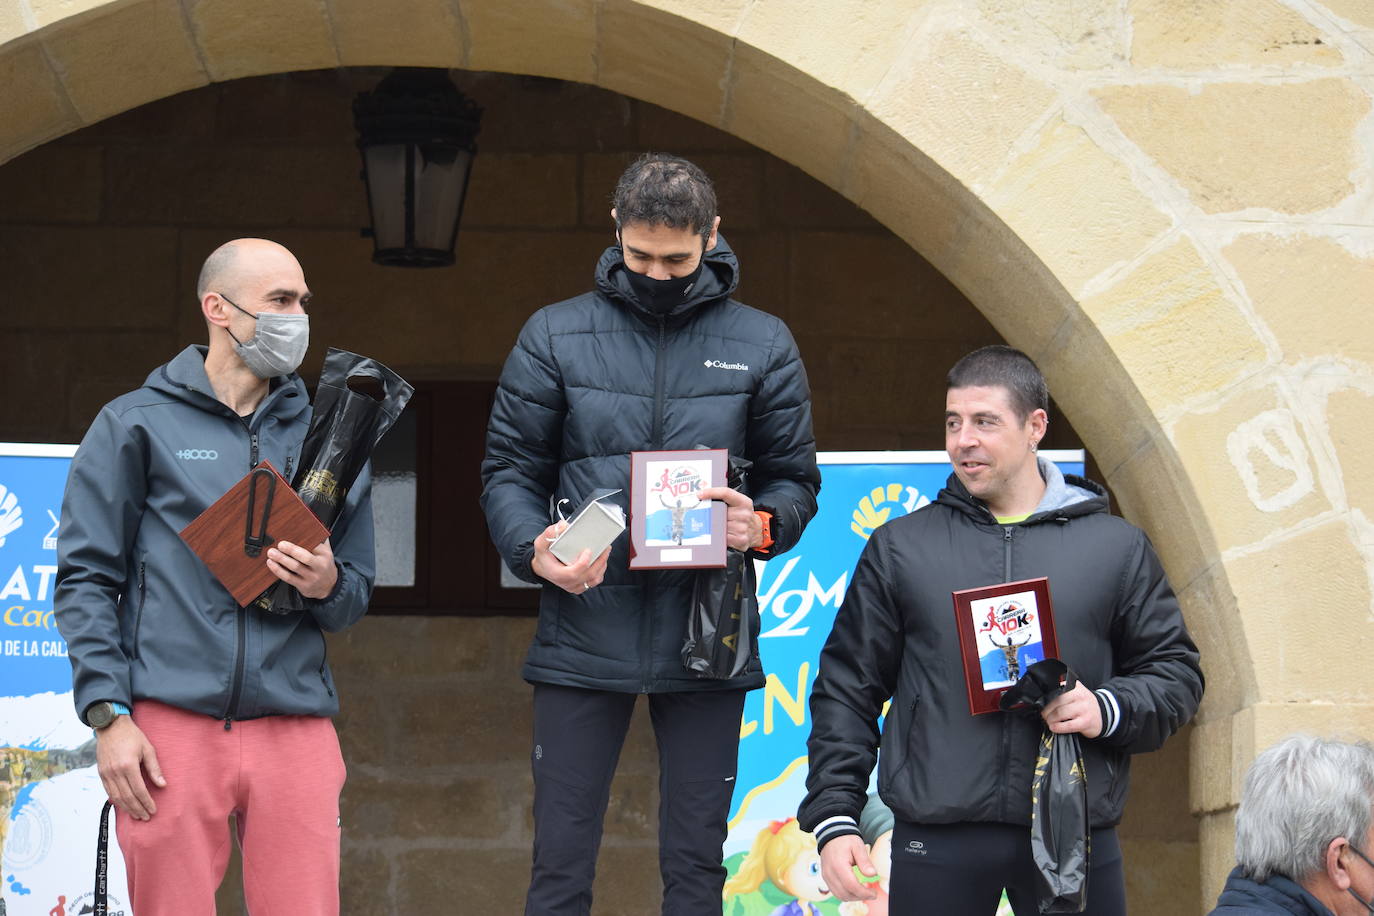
657 357
959 784
1305 832
230 706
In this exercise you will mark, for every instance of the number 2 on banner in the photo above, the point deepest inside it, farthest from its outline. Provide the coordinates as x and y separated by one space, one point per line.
775 601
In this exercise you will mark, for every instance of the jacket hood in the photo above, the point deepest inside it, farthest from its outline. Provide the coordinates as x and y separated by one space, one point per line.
719 278
184 378
1066 496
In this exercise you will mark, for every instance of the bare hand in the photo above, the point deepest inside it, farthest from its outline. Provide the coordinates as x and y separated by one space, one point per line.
743 529
313 573
122 752
574 578
1075 711
838 859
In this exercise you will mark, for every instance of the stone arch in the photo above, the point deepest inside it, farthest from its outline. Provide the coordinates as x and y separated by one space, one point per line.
1126 205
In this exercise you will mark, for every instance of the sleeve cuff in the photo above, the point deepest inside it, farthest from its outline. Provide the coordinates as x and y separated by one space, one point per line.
832 827
1110 709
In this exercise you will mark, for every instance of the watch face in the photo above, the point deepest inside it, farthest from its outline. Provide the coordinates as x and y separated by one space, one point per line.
100 715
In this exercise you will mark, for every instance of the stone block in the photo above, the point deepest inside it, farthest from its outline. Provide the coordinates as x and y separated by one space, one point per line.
522 190
36 107
555 38
1217 841
432 880
1162 876
1290 280
1253 457
1221 145
632 813
368 733
138 268
885 290
662 58
403 649
48 12
661 129
794 200
1349 418
184 119
145 43
627 880
1076 205
239 185
490 727
1357 11
1088 35
1211 786
15 20
961 102
1157 810
763 258
1175 330
1228 33
723 16
55 184
1209 607
1154 492
364 876
283 110
237 41
786 111
530 114
845 46
1304 607
401 810
412 33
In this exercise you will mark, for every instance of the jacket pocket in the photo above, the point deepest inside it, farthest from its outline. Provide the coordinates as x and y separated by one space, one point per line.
324 664
139 599
900 748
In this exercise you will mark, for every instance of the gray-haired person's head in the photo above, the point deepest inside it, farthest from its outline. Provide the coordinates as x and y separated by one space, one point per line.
1300 795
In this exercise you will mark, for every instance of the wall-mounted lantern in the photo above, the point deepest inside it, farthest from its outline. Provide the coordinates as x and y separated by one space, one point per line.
418 136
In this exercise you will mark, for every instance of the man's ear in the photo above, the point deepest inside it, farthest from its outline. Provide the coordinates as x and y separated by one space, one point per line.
715 233
1336 871
215 309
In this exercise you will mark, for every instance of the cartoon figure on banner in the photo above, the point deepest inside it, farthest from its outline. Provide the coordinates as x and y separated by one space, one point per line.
787 857
680 516
1009 639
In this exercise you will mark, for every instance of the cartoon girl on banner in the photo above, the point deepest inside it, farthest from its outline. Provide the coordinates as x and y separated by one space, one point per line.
787 857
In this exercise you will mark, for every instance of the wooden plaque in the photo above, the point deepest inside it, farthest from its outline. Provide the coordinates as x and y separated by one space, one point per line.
233 540
1003 630
670 527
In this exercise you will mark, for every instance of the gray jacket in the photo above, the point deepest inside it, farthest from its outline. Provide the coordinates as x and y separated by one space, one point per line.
143 617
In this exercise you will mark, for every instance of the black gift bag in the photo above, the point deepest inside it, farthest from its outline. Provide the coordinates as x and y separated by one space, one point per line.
1060 838
344 428
723 620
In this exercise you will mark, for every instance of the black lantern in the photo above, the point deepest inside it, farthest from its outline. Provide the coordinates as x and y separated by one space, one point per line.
418 135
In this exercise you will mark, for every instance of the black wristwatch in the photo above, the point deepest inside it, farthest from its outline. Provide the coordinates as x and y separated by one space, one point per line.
99 715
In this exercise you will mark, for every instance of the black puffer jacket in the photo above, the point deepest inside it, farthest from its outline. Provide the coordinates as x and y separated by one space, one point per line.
1278 896
1118 626
596 377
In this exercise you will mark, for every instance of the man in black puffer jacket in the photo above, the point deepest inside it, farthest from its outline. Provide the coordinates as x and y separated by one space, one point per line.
959 784
657 357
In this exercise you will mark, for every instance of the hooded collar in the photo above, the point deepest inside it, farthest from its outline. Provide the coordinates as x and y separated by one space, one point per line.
185 379
1066 496
719 278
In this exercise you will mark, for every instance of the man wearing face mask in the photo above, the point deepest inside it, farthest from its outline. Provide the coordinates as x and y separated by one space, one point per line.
658 356
200 708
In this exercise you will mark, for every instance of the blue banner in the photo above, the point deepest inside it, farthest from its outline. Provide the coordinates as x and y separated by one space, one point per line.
799 594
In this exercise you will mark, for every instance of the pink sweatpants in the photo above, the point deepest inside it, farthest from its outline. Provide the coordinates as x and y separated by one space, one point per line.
280 775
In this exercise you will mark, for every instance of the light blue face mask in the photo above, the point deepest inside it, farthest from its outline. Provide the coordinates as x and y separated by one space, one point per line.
278 345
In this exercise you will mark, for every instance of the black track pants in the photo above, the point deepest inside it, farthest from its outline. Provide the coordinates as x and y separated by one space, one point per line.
960 870
578 734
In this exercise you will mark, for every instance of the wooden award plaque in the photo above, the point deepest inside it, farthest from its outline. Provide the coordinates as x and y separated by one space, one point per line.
1003 630
232 536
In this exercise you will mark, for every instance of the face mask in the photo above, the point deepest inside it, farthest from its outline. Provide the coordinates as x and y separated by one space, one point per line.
1367 904
277 347
662 296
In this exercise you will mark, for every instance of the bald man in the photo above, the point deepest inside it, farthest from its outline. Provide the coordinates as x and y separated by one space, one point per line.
202 708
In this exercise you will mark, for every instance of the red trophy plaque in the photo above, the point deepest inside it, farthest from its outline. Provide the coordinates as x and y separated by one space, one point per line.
671 526
1003 630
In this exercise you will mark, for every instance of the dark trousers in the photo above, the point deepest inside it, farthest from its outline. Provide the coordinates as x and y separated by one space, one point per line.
577 739
960 870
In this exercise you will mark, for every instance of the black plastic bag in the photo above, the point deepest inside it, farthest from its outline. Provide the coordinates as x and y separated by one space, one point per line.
723 621
1060 838
344 428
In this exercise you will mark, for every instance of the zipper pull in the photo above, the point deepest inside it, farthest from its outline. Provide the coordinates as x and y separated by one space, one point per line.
287 473
228 723
253 450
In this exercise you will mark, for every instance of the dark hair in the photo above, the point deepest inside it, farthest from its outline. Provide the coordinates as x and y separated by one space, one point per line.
662 190
1000 366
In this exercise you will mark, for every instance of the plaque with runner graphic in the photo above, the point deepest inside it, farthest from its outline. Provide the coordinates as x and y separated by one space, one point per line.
671 526
1003 630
